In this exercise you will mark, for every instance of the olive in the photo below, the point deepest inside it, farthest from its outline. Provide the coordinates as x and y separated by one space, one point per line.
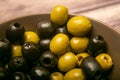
80 57
31 36
45 28
19 76
5 48
56 76
79 25
44 44
97 45
31 52
74 74
15 32
17 63
3 73
16 50
59 15
67 62
105 61
63 29
91 68
59 44
39 73
79 44
48 59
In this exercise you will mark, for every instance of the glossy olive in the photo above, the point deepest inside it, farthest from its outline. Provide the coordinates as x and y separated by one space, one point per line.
79 25
31 52
5 48
15 32
44 44
63 29
91 68
79 44
74 74
39 73
19 76
16 50
17 64
59 44
59 15
56 76
67 62
31 36
97 45
45 28
48 59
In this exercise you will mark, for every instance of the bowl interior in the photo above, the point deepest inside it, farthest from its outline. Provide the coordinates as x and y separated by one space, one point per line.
111 37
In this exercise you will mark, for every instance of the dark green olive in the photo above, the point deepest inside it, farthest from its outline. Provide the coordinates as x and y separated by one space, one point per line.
15 32
48 59
31 52
3 73
5 48
97 45
17 64
45 28
44 44
39 73
19 76
91 68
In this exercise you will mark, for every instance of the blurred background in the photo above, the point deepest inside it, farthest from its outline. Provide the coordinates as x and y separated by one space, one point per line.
107 11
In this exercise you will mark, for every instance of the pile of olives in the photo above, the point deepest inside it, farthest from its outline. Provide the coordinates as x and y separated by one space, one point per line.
60 49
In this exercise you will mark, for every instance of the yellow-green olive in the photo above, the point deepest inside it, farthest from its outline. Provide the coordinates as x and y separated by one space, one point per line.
74 74
67 62
79 44
59 44
16 50
80 57
56 76
59 15
105 61
31 36
78 25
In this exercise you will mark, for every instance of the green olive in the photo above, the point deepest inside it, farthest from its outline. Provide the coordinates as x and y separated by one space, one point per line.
31 36
56 76
16 50
79 44
74 74
67 62
59 44
79 25
59 15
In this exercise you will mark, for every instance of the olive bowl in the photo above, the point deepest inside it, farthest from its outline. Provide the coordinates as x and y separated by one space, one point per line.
111 37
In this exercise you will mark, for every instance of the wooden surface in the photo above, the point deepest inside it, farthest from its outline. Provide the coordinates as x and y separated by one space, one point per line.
107 11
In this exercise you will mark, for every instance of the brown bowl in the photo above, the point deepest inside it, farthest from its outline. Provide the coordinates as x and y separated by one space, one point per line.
112 38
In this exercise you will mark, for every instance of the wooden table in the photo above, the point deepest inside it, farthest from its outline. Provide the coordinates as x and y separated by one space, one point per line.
107 11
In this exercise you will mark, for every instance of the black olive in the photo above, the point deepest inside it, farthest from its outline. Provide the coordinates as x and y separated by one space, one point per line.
5 48
17 64
45 28
19 76
15 32
48 59
3 73
31 52
91 68
44 44
96 45
63 29
39 73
